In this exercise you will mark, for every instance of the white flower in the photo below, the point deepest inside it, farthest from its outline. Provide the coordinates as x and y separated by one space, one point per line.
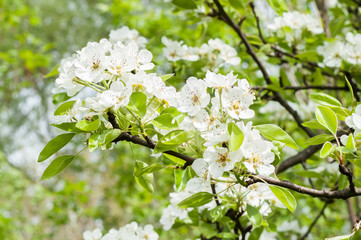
220 81
126 35
354 121
117 96
96 234
173 50
170 214
92 61
193 96
121 60
258 156
332 53
236 102
202 183
67 75
220 160
204 121
217 134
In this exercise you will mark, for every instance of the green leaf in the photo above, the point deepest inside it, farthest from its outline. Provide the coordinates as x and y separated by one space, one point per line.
254 216
145 181
319 139
236 4
149 169
285 197
345 150
314 124
68 126
56 166
172 140
274 132
236 137
181 177
175 159
342 113
308 56
343 237
60 97
196 200
54 71
167 76
165 121
55 145
351 90
327 149
278 5
138 103
218 212
187 4
111 135
327 118
88 126
350 142
324 99
63 108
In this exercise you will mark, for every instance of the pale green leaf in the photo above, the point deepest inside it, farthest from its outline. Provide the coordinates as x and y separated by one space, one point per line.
274 132
319 139
196 200
324 99
327 118
285 197
327 149
55 145
56 166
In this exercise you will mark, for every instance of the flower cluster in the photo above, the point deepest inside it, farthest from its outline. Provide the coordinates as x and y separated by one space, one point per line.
215 107
130 231
348 50
216 53
297 22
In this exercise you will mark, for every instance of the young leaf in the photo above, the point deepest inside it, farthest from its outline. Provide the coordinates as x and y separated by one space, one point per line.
324 99
88 126
172 140
254 216
196 200
175 159
54 71
342 113
60 97
165 121
145 181
285 197
55 145
314 124
149 169
327 149
181 178
167 76
68 126
327 118
236 137
138 103
56 166
64 107
319 139
273 132
350 142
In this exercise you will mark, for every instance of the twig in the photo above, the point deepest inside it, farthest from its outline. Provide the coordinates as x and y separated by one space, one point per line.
314 222
298 88
348 173
351 212
226 18
258 23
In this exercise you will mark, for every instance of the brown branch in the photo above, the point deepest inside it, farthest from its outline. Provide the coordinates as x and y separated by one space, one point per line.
314 222
125 136
298 158
258 23
226 18
323 194
322 8
348 173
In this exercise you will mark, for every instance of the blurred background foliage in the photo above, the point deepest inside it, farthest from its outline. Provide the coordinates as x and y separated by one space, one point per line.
98 190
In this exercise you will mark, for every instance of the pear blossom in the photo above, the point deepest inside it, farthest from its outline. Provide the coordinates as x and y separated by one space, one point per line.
92 61
96 234
354 121
120 60
117 96
236 102
202 183
125 35
193 96
220 81
67 76
220 160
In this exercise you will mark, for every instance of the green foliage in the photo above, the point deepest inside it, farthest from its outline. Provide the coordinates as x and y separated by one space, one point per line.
55 145
285 197
56 166
197 200
274 132
327 118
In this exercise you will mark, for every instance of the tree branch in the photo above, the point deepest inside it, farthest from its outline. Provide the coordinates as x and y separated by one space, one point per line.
298 88
226 18
298 158
125 136
323 194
